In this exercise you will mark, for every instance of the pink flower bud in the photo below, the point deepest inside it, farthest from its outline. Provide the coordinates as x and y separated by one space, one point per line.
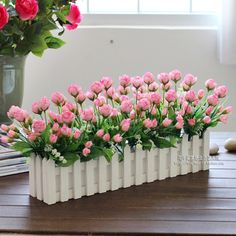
44 103
148 78
153 87
74 90
86 152
87 115
80 97
125 125
190 80
207 120
106 82
171 96
5 128
68 117
53 138
58 99
223 119
88 144
166 122
191 122
125 80
77 134
221 91
106 137
39 126
200 94
212 100
175 75
210 84
36 108
117 138
100 133
96 87
190 96
105 110
126 106
164 78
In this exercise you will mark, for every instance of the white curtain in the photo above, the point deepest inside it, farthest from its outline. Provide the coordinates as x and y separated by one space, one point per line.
227 32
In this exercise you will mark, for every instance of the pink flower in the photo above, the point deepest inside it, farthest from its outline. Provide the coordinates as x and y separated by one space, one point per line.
66 131
223 119
55 127
36 108
100 101
100 133
12 134
17 113
32 137
179 118
209 110
88 144
185 86
74 17
53 138
228 109
106 82
221 91
52 115
189 110
190 96
147 123
132 115
69 106
44 103
77 133
114 113
200 94
90 95
110 92
213 100
125 125
105 110
164 78
126 106
164 111
137 81
179 125
125 80
27 9
68 117
5 128
166 87
153 87
143 104
207 120
5 139
80 97
96 87
106 137
191 122
74 90
166 122
148 78
190 80
154 111
59 119
87 115
86 151
171 95
58 98
39 126
117 138
210 84
4 16
175 75
155 98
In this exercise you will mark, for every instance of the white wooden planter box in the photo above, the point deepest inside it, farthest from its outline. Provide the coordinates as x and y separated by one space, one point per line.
52 184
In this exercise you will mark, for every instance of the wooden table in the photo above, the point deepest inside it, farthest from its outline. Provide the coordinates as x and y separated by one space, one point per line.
201 203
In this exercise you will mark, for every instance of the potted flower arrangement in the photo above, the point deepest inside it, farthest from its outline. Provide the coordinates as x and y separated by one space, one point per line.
25 26
161 123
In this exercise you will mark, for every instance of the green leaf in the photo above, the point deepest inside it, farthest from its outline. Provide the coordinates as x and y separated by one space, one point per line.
53 42
108 153
71 159
21 146
162 143
147 145
38 46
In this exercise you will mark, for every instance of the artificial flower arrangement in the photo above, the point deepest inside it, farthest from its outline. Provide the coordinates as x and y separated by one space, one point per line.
140 112
26 25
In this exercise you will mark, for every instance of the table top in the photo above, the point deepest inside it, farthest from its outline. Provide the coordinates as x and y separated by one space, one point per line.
200 203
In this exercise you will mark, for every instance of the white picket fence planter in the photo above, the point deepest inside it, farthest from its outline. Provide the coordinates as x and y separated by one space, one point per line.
53 184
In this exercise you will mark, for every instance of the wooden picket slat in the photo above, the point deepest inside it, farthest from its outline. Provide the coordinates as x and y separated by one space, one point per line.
115 172
76 180
38 171
64 183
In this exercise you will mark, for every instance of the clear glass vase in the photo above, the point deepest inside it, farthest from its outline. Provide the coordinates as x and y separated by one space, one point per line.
11 84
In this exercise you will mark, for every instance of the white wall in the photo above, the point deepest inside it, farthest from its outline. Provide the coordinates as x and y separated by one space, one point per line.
88 55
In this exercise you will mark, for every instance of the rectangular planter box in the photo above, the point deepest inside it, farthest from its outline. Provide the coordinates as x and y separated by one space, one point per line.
53 184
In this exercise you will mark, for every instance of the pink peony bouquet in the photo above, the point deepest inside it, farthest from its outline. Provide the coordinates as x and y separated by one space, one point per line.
25 25
142 111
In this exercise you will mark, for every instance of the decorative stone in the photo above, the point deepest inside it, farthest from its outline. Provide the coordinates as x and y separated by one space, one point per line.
230 145
214 149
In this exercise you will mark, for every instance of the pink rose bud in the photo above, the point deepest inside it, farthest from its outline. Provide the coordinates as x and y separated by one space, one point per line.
17 113
74 17
137 82
209 110
5 128
125 125
12 134
147 123
175 75
185 87
106 137
132 115
52 115
87 115
155 98
126 106
32 137
154 123
143 104
114 113
213 100
200 94
189 110
164 111
148 78
105 110
171 96
179 125
125 80
4 16
90 95
77 133
27 9
166 122
68 117
190 96
164 78
166 87
221 91
210 84
80 98
154 111
39 126
88 144
74 90
96 87
106 82
44 103
58 98
110 92
153 87
228 109
53 138
223 119
100 133
55 127
191 122
207 120
36 108
190 80
117 138
86 152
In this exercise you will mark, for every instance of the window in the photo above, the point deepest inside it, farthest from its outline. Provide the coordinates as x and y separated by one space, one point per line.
149 6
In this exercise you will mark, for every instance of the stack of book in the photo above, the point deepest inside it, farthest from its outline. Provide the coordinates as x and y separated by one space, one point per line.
11 162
